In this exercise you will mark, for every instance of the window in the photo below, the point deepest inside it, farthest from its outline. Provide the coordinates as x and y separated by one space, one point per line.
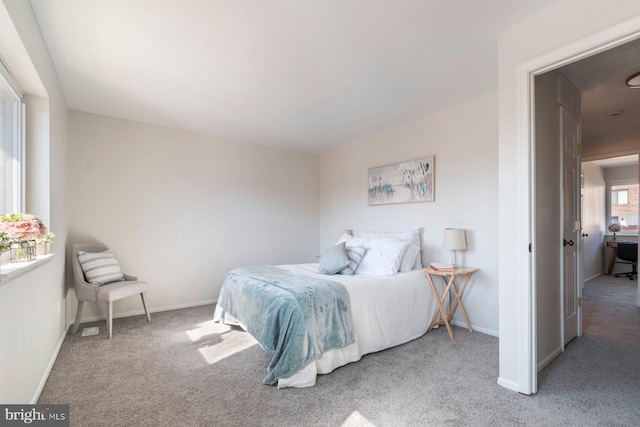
623 205
620 196
11 144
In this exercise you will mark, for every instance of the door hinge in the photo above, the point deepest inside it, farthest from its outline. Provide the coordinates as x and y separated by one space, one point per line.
579 301
530 247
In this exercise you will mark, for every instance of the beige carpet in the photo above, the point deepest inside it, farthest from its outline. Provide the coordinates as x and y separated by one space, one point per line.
184 370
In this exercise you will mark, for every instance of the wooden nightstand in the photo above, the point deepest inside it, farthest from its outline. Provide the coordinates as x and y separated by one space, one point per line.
441 316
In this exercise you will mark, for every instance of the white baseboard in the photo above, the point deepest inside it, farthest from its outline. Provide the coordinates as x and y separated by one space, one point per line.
151 310
508 384
594 276
544 362
476 328
47 371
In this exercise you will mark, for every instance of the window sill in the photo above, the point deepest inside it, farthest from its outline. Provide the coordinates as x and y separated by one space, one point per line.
11 271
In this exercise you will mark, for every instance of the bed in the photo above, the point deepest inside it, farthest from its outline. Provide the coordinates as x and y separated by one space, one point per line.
384 310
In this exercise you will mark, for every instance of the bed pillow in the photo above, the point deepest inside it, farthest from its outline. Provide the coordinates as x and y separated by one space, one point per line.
355 256
409 258
412 235
100 268
334 260
353 241
384 257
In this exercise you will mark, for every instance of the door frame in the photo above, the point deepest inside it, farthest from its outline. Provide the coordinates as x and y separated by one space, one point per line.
526 225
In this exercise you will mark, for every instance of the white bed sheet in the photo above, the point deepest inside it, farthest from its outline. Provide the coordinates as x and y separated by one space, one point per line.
386 311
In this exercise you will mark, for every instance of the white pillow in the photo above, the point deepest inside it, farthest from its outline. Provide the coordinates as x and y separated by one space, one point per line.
355 256
355 241
411 235
383 258
356 248
409 259
100 268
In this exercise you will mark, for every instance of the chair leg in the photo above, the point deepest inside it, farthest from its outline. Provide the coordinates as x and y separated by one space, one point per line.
144 304
110 318
74 330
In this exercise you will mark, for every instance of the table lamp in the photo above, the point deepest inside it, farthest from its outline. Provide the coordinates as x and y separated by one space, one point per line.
343 232
454 240
614 227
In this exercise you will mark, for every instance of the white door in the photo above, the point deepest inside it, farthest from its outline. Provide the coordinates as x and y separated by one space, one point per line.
571 274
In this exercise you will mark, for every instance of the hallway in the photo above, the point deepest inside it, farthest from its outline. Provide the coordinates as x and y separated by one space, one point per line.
602 368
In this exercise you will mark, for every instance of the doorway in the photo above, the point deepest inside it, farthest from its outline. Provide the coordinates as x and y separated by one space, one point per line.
605 99
519 63
610 196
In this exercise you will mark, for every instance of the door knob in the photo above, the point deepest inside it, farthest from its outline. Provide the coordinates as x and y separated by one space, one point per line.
567 242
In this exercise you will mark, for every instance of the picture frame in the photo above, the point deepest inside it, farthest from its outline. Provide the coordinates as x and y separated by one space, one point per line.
412 181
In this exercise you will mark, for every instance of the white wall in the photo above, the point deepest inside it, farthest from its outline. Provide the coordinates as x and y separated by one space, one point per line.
621 173
593 220
613 144
542 34
181 209
464 141
32 322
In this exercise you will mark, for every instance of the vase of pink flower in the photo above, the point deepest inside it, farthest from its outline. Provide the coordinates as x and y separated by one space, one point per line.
23 230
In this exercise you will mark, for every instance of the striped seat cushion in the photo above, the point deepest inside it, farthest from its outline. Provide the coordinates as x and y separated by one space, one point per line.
100 268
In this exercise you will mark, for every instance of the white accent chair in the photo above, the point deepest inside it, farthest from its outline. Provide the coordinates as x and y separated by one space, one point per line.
106 293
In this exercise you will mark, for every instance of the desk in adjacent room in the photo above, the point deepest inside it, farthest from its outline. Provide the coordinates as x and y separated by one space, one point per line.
613 244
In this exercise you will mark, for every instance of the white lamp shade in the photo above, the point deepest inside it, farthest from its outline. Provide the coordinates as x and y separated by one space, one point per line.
343 232
454 239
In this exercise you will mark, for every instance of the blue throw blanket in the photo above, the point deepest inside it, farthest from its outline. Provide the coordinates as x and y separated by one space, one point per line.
294 317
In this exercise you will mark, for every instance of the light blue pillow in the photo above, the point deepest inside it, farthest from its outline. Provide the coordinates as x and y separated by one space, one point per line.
334 260
100 268
355 256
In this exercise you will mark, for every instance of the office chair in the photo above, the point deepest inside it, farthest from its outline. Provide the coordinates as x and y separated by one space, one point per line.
628 251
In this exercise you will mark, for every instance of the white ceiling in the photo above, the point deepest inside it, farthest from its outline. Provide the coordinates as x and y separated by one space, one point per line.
306 75
601 79
617 161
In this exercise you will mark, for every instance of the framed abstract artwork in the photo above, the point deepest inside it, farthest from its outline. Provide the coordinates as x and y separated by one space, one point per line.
406 182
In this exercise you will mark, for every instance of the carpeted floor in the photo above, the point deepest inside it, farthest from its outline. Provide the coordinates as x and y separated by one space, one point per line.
184 370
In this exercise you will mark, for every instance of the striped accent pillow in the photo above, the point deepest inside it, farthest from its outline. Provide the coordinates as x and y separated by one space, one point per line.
100 268
355 256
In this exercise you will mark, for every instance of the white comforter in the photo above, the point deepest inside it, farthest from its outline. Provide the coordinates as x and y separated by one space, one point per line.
387 311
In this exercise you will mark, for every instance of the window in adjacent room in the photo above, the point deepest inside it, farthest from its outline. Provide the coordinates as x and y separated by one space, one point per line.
623 205
619 196
11 144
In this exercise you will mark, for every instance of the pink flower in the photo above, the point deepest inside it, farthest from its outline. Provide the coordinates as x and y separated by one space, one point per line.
25 228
